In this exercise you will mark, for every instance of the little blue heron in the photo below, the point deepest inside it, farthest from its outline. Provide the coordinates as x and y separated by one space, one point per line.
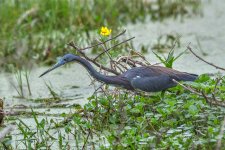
148 78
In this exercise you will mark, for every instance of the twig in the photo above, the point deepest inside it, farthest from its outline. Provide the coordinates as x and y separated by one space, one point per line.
210 100
216 84
117 65
126 60
103 41
113 47
198 131
211 64
131 62
100 87
206 98
100 43
114 64
187 88
105 49
213 100
220 137
89 132
91 60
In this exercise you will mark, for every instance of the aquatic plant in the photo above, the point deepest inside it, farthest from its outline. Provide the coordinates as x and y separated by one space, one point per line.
19 87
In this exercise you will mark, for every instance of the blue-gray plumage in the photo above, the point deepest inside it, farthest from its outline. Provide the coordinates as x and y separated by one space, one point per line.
148 79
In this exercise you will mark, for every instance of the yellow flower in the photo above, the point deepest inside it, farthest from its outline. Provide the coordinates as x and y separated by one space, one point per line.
105 31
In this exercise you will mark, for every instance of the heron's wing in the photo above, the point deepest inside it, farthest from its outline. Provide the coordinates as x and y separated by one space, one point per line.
152 84
153 71
174 74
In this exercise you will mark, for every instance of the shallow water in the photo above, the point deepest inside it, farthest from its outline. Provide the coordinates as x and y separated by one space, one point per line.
63 81
209 29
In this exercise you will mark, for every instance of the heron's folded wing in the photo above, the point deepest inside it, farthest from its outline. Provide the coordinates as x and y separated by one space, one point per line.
152 84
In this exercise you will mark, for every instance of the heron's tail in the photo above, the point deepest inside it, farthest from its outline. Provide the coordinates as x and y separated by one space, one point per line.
188 77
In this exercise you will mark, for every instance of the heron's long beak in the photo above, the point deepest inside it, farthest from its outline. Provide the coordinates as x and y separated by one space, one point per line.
52 68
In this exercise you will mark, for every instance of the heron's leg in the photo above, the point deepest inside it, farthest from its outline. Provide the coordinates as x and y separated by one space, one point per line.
163 94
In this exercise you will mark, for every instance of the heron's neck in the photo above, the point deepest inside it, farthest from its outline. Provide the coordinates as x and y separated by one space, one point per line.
98 76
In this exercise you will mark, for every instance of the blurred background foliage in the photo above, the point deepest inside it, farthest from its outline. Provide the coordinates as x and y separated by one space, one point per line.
38 30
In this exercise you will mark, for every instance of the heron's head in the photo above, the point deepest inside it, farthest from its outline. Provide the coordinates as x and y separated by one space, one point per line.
63 60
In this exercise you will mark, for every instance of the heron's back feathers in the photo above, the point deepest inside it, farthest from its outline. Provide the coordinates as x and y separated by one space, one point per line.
174 74
155 78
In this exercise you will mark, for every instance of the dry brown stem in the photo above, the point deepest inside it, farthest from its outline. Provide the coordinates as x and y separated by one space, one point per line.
211 64
211 100
100 43
113 47
91 60
220 137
